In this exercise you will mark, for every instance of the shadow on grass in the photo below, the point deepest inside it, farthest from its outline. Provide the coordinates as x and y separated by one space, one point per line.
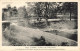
41 42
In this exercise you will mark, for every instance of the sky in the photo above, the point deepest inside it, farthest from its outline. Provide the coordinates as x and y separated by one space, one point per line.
17 4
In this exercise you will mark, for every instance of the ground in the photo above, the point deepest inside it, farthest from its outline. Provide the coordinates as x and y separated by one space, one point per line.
28 36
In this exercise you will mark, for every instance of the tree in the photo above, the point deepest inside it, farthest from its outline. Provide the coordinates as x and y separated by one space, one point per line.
46 10
70 7
22 12
30 9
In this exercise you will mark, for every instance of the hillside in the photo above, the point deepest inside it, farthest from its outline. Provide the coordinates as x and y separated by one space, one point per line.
25 36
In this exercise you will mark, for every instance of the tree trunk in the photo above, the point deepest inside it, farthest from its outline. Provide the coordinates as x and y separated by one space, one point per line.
70 15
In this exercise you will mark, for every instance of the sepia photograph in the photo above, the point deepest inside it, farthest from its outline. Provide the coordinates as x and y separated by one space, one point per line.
40 24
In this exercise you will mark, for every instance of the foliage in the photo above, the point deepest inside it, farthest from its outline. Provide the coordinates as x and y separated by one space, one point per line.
22 12
70 7
45 9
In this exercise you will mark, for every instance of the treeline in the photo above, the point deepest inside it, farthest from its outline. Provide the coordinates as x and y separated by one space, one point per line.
50 9
9 12
47 10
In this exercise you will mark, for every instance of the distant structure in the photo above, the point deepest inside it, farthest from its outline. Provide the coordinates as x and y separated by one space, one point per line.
9 12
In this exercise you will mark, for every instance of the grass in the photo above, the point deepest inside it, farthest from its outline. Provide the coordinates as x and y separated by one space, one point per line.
24 36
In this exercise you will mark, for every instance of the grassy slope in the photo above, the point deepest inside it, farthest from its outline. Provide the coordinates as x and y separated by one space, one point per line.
25 36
